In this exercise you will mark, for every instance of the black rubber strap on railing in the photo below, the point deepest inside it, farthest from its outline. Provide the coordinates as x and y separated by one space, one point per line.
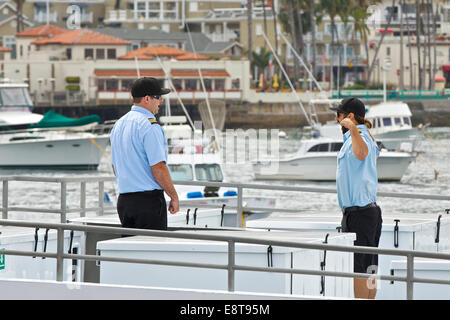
322 268
195 216
269 256
187 216
36 239
222 213
71 242
438 229
396 233
45 241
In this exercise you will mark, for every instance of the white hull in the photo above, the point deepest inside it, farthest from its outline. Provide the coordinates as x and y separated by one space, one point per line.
82 151
396 140
390 166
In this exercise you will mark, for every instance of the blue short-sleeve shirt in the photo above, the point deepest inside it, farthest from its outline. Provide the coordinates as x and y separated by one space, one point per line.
137 143
357 180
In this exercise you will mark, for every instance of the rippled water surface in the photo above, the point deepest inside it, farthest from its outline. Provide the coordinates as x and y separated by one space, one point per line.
434 154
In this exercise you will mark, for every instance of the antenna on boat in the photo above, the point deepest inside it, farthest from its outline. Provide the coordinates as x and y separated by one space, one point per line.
215 144
172 87
137 66
310 120
302 62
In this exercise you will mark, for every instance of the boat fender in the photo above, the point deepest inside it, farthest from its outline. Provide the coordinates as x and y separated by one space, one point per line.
438 229
396 233
194 194
322 267
222 212
45 241
36 238
187 216
195 216
269 256
230 193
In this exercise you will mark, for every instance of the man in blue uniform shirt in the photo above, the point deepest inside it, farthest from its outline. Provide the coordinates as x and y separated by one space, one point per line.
139 161
357 183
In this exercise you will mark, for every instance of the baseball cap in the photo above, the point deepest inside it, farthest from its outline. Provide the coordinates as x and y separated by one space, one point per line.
147 86
351 105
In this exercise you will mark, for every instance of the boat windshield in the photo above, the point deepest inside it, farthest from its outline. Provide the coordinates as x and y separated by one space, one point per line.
182 172
209 172
15 97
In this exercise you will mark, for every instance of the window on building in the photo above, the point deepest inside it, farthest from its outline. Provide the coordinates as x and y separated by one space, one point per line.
112 84
111 53
126 84
235 83
190 84
259 29
388 51
69 53
208 84
170 10
101 84
177 83
193 6
219 84
100 54
89 53
141 9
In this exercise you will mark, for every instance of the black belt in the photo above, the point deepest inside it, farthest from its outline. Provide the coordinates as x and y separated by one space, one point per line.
356 208
155 192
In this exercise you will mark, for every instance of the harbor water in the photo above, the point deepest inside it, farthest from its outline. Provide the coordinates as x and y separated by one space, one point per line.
428 174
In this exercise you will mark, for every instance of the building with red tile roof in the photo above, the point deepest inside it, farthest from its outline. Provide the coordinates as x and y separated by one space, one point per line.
152 52
45 30
77 44
5 54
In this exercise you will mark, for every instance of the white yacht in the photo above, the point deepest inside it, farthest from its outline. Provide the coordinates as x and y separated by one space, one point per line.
316 160
30 140
391 125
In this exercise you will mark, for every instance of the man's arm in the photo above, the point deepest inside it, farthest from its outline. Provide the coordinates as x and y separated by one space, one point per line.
162 176
359 146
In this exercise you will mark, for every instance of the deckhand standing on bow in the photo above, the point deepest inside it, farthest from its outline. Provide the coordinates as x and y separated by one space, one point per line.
139 161
357 183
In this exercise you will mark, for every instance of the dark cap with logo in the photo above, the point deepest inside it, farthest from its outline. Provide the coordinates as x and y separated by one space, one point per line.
351 105
147 86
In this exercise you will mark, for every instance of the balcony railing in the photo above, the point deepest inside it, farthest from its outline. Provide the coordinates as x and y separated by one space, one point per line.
41 16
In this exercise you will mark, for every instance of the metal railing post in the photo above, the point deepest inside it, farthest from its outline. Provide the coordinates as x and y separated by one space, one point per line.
231 262
5 200
101 195
239 208
63 202
409 277
83 199
59 255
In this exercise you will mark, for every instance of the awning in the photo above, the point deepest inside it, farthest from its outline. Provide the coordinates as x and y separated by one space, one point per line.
446 68
128 73
195 73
